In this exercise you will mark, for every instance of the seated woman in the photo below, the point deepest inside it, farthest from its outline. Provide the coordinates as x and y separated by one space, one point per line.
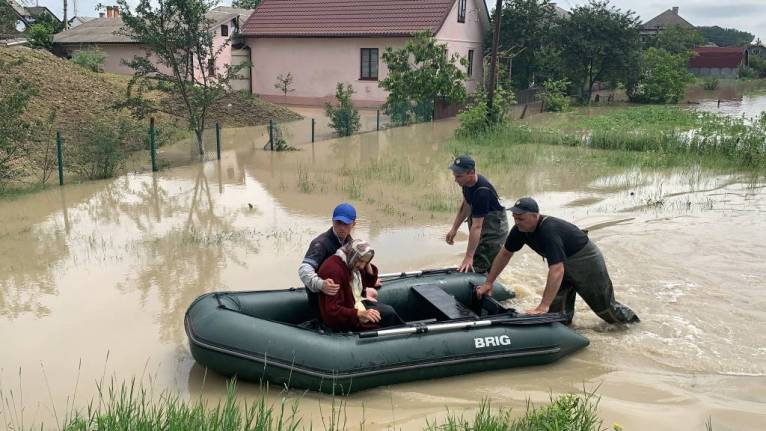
355 306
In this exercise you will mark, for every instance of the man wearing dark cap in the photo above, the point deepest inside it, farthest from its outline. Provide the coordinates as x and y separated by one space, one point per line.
575 265
322 247
487 222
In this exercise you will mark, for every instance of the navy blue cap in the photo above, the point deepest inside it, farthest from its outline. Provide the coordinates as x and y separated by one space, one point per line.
344 213
525 205
462 164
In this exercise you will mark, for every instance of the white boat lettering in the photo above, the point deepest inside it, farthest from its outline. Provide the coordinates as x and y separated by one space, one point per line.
496 341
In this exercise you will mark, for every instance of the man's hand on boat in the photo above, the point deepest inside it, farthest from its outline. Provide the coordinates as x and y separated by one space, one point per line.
466 265
367 316
484 289
330 287
540 309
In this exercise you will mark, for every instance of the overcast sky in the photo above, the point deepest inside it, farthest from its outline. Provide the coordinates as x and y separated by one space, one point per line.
748 15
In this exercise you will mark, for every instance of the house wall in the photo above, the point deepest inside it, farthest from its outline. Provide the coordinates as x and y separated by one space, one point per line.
115 53
461 37
316 65
719 72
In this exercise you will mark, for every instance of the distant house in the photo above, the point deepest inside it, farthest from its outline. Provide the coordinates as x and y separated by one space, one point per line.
662 21
105 34
323 42
560 13
757 49
718 62
28 15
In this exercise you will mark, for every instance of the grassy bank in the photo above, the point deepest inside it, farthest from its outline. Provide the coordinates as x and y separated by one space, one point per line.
130 406
647 136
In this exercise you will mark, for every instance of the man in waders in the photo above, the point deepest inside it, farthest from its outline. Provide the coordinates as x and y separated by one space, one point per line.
487 221
575 265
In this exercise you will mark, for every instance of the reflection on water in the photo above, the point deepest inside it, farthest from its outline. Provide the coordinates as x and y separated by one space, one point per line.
108 268
730 100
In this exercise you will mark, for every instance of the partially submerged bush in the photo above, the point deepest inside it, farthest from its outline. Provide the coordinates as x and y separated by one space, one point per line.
710 83
475 120
554 97
104 146
344 118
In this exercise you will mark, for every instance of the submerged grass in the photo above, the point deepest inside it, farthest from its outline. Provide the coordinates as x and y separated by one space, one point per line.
649 136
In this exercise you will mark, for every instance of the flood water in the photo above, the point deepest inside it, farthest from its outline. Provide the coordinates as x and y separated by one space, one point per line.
95 278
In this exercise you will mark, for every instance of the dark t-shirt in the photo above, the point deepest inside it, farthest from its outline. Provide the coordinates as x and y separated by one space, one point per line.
554 239
322 247
482 198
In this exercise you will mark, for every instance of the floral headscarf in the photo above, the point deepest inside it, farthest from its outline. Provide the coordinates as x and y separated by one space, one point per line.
355 251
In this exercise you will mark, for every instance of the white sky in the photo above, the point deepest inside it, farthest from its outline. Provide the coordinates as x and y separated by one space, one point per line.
748 15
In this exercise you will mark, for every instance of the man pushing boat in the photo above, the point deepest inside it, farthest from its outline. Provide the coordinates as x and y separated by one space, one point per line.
575 265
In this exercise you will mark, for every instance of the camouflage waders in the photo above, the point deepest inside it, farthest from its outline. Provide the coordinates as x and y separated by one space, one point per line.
494 231
585 274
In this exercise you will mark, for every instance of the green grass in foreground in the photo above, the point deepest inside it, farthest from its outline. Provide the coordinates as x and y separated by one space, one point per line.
647 136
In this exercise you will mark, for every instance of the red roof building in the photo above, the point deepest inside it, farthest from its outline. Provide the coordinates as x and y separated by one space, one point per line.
718 62
324 42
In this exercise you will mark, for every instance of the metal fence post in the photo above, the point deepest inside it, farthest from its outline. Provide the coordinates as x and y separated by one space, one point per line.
152 145
313 123
60 157
218 140
377 120
271 134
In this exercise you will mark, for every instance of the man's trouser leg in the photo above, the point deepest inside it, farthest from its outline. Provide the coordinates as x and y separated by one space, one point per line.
494 231
586 272
564 302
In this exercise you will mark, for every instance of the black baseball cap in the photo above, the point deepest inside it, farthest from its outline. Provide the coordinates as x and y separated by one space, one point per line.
462 164
525 205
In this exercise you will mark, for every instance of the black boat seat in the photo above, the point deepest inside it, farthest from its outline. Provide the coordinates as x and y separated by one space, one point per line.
446 305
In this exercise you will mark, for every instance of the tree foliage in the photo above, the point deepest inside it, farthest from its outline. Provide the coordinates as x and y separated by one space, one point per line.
526 26
726 36
676 39
8 21
40 34
420 74
178 36
246 4
555 97
662 77
598 42
285 83
344 118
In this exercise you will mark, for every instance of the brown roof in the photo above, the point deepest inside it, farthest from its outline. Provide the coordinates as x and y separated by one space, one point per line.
717 57
345 18
106 29
666 19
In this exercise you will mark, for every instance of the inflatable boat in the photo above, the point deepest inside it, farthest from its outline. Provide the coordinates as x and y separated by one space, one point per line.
274 336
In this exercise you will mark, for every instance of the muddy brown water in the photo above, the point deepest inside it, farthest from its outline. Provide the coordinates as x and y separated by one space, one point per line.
95 278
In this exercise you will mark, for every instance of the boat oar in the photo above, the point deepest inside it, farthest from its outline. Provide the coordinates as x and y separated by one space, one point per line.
418 273
454 326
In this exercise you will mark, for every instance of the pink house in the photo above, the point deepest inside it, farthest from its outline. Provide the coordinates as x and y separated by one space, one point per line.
323 42
104 34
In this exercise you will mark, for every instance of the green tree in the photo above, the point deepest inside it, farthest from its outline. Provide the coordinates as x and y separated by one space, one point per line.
40 34
15 93
662 77
524 32
726 36
676 39
177 34
555 97
598 42
246 4
345 117
420 74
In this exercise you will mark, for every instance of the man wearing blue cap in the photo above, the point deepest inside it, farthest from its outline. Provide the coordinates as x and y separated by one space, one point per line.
575 265
487 221
322 247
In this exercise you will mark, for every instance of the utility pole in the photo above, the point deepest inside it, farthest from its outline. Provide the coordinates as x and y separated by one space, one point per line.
65 15
493 59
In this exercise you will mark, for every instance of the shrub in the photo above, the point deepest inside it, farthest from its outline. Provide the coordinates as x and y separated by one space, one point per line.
91 59
14 131
554 96
102 148
710 83
662 77
474 119
345 117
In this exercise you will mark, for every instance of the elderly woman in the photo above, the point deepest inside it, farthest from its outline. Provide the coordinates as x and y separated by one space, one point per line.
355 306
